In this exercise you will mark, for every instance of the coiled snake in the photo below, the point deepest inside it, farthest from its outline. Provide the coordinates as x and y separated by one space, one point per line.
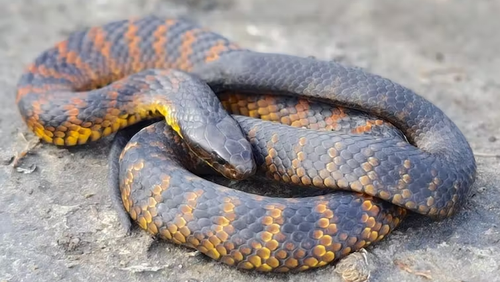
106 78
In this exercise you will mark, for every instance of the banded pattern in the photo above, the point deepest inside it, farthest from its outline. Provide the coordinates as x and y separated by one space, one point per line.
240 229
381 139
56 95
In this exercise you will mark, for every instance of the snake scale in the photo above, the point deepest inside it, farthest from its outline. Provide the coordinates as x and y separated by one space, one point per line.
380 148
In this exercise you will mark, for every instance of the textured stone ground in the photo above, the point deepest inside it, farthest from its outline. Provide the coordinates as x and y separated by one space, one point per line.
57 223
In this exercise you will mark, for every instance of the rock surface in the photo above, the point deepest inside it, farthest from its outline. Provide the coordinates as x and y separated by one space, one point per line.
57 223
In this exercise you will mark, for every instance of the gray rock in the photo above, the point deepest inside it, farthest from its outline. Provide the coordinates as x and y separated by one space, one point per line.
57 222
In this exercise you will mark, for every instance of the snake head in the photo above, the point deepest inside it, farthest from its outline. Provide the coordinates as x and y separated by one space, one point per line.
223 146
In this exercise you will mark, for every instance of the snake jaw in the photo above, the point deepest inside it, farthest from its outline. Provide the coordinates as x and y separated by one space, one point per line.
222 146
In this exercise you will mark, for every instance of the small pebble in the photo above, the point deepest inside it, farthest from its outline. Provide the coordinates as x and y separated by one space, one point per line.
354 267
439 57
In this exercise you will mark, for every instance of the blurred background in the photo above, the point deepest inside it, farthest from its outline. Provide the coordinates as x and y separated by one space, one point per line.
57 223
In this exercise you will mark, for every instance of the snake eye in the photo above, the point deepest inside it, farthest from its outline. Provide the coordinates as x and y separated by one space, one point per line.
220 160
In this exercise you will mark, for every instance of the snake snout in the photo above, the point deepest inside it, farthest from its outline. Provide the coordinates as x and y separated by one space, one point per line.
223 146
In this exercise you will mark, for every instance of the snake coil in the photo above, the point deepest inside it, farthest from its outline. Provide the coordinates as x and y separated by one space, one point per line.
340 130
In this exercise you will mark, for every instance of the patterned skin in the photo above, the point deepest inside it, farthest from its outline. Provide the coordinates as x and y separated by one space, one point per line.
245 230
106 78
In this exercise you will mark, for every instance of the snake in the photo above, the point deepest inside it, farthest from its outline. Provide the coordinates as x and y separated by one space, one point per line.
377 149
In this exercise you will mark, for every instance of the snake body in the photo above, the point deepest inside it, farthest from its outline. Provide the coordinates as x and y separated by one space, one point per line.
106 78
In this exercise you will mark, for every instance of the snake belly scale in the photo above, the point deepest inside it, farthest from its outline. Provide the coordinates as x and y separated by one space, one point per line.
106 78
